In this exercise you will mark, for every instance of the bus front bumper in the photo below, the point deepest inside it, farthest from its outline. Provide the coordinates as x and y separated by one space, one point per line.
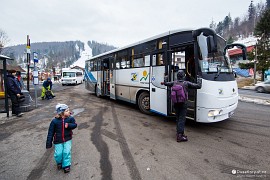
210 115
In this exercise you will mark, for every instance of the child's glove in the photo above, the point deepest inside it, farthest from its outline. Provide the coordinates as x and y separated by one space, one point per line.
48 145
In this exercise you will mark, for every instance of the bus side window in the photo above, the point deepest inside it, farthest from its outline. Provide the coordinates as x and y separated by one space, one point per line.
157 60
98 65
160 60
147 60
128 63
111 67
125 63
117 65
138 62
95 66
91 68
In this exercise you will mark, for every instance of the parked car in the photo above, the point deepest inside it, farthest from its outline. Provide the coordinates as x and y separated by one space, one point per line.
263 86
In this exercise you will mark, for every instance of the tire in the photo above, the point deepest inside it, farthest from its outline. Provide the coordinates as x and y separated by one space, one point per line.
144 103
96 92
260 89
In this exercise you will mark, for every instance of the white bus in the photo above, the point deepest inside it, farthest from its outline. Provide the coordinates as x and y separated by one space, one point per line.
71 76
134 74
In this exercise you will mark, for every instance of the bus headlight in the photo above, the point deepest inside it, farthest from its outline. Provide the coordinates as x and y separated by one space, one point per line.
215 112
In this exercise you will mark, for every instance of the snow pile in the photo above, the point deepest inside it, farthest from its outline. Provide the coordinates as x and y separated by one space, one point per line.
86 54
249 41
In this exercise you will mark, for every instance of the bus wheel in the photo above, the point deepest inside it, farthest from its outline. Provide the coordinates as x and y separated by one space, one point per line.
144 103
96 91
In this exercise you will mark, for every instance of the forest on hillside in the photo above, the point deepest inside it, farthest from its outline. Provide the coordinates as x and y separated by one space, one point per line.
236 28
99 48
255 23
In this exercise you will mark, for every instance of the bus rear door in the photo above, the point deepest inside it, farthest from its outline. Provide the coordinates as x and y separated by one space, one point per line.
158 92
112 78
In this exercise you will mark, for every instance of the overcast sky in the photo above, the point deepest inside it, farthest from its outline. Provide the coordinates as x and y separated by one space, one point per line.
116 22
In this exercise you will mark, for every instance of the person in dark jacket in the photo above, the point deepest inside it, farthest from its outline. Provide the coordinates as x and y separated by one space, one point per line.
60 133
14 92
47 86
181 108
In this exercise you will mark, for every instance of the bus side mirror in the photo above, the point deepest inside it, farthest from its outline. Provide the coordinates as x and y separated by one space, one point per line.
239 46
211 44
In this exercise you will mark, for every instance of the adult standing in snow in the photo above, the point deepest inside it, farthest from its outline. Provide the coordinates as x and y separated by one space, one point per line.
14 92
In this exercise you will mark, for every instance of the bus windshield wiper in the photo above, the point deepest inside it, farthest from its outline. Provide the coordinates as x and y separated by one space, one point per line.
218 69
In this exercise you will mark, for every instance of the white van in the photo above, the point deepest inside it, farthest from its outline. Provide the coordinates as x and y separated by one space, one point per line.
71 76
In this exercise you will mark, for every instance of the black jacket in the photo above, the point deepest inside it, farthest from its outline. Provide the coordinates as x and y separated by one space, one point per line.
12 85
46 84
187 84
57 131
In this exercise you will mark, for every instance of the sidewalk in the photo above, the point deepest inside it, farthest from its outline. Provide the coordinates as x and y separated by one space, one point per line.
248 87
250 98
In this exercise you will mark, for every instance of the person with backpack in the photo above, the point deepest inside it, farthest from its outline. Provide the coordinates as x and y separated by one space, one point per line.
47 86
179 96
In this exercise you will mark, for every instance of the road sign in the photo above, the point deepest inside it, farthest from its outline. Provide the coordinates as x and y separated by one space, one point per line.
36 82
35 57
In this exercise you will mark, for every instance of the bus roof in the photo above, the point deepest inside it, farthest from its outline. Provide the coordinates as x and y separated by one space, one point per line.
143 41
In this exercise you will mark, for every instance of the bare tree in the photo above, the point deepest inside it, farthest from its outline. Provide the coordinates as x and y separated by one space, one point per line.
3 39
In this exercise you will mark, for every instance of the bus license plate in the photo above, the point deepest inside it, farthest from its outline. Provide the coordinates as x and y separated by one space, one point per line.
231 113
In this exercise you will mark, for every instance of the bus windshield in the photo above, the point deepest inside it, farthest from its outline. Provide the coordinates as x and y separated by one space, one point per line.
68 74
215 62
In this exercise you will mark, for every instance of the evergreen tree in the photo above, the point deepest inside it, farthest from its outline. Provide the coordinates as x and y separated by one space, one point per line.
251 13
213 25
219 28
267 4
227 22
262 30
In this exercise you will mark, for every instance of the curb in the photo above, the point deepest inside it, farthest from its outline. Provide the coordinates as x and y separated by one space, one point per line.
256 101
248 88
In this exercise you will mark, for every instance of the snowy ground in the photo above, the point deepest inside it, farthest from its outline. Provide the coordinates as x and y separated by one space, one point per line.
86 54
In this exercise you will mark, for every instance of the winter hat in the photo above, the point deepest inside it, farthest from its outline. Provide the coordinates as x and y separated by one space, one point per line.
180 74
59 108
48 79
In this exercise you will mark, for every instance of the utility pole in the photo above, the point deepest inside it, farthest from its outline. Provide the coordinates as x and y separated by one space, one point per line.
255 61
28 60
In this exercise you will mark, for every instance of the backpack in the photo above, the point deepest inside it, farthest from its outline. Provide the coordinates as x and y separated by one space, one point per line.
178 92
48 94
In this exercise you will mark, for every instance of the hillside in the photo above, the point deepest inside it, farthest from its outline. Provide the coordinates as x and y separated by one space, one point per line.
61 54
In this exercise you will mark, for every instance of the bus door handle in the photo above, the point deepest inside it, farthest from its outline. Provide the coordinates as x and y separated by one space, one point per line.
153 89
